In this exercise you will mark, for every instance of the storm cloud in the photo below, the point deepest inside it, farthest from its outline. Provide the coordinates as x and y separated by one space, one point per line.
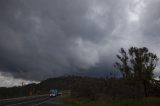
50 38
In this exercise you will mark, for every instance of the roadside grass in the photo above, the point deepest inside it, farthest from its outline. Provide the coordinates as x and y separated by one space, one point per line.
150 101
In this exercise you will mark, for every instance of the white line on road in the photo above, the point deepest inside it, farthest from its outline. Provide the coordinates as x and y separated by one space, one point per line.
24 97
26 102
41 103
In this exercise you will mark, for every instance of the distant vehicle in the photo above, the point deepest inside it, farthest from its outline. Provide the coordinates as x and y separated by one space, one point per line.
53 92
60 93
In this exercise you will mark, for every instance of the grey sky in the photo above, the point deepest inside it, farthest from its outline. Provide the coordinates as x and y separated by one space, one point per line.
50 38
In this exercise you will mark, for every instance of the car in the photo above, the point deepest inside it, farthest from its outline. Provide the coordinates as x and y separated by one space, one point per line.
60 93
52 93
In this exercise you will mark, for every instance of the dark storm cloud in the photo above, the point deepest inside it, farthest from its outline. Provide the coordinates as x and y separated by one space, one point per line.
49 38
150 20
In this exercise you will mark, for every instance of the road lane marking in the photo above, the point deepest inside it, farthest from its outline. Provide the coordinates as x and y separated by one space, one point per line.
26 102
24 97
41 103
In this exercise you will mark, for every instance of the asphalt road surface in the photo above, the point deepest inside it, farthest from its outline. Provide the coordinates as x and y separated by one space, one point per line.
43 100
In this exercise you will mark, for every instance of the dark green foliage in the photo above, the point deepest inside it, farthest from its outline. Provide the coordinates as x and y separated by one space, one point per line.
17 91
123 66
88 87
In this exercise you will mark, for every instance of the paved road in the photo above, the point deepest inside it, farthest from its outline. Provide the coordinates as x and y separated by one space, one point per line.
53 102
43 100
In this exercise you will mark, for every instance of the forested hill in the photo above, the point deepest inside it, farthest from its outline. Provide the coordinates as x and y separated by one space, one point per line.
60 83
85 87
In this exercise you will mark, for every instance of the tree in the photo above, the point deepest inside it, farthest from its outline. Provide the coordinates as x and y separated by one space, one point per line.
123 64
137 63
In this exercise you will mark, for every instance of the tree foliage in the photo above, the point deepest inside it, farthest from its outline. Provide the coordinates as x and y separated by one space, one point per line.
138 64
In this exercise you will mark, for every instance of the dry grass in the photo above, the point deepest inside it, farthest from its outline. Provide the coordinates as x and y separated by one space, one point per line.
151 101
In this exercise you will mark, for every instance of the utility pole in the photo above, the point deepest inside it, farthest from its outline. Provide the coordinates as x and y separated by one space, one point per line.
22 91
22 84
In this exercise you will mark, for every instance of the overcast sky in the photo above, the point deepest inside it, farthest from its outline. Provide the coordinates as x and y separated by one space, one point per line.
51 38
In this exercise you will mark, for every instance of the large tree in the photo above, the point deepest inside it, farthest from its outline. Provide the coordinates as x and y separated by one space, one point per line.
137 63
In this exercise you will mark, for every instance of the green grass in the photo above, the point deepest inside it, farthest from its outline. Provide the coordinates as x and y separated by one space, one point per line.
151 101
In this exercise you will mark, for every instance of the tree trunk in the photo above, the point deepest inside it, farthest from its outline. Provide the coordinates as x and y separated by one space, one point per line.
145 88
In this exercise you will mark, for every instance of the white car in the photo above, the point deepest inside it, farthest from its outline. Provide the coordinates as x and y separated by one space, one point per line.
52 94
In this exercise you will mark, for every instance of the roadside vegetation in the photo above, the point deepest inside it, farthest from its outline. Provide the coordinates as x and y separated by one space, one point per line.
149 101
136 87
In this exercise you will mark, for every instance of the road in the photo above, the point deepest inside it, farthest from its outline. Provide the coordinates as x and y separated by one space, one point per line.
42 100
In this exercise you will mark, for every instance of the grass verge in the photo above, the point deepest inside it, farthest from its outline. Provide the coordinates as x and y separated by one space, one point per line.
151 101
